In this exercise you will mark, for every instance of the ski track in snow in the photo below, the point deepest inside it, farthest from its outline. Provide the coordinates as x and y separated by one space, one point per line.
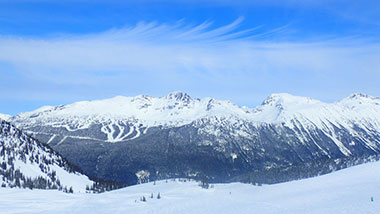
145 130
61 141
345 191
121 132
138 133
131 129
112 128
51 139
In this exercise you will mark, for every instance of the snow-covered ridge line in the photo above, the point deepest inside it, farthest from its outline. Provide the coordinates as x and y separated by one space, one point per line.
5 117
177 106
173 109
177 109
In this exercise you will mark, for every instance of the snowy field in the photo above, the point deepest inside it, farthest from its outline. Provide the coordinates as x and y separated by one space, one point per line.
345 191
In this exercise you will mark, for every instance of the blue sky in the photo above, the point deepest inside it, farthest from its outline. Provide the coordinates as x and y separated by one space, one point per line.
59 52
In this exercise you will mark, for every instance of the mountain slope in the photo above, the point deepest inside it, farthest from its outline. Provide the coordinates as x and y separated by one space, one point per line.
5 117
346 191
124 137
27 163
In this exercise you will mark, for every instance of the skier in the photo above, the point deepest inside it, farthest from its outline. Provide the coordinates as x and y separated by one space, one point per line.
372 199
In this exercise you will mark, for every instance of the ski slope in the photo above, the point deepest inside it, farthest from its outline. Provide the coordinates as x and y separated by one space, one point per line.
346 191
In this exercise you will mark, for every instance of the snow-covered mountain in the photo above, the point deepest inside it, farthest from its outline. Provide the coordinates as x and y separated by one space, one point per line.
178 135
5 117
138 113
177 109
27 163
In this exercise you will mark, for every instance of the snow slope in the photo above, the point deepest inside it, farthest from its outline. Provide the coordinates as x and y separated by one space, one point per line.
33 160
345 191
5 117
174 109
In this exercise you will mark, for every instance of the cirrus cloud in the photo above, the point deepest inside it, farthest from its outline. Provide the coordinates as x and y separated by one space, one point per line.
194 58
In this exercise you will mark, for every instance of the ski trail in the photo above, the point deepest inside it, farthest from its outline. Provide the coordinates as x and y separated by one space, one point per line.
63 139
138 133
108 130
51 139
121 132
131 129
145 130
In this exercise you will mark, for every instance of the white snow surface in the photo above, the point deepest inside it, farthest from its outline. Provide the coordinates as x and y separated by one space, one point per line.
31 169
177 108
346 191
5 117
75 180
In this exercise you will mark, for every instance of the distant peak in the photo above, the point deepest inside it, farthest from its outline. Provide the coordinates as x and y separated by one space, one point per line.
143 97
119 97
359 95
361 98
280 98
5 117
277 97
178 96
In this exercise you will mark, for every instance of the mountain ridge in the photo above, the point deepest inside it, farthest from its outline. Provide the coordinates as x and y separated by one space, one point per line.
121 100
5 117
177 135
178 108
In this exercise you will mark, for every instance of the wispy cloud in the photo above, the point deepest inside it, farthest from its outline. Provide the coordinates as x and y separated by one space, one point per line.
157 54
154 47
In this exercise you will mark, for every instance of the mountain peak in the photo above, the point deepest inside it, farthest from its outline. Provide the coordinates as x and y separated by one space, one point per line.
284 98
5 117
275 98
178 96
360 96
